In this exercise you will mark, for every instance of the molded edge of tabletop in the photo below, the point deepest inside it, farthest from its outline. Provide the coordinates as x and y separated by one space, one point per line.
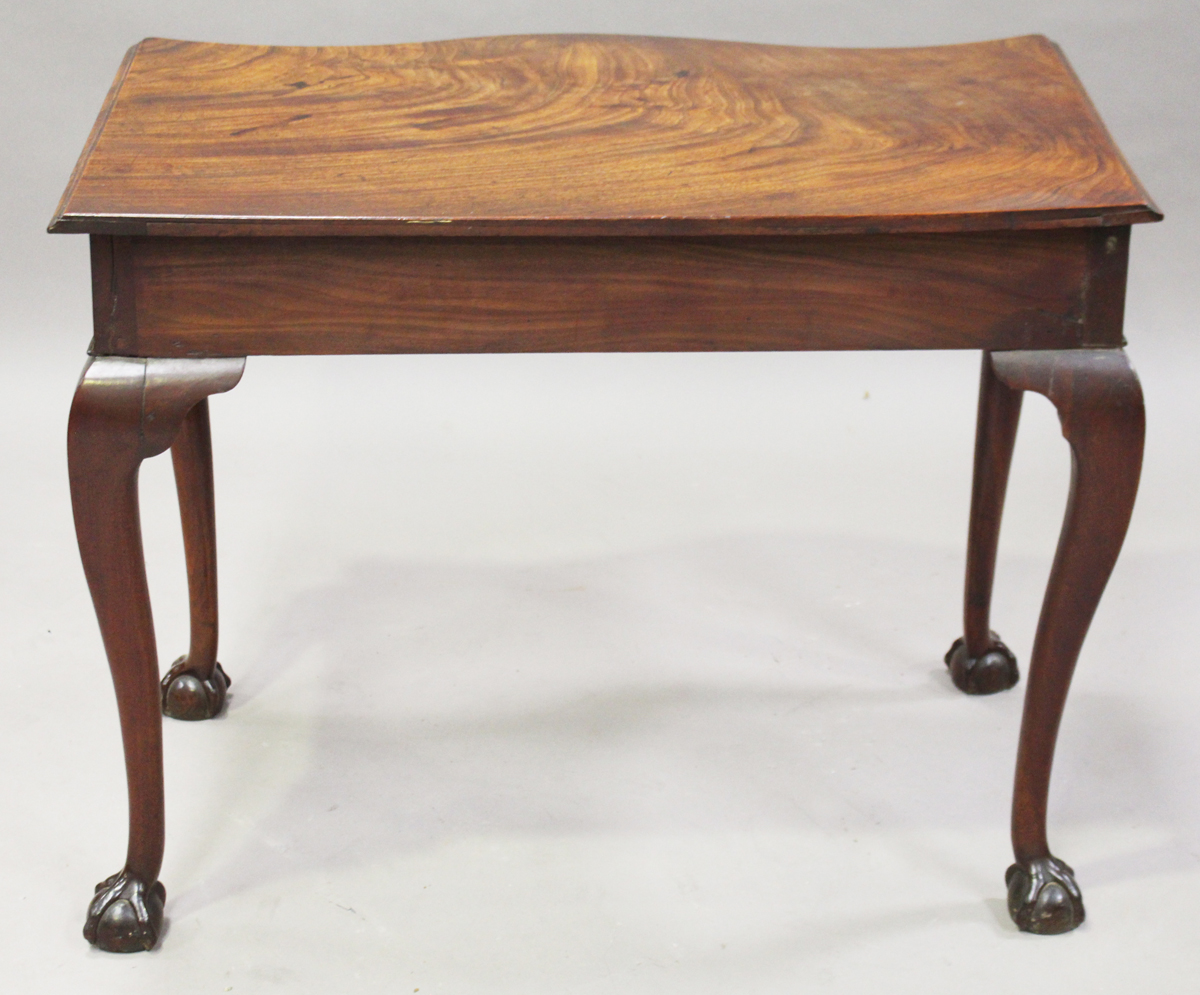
1131 205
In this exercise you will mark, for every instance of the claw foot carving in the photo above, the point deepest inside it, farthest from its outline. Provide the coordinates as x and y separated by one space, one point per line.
1043 896
996 670
186 696
125 916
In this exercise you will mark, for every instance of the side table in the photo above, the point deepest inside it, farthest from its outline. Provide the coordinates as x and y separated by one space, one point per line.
596 193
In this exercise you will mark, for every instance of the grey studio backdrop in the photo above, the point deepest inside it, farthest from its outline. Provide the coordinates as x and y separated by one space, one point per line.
601 673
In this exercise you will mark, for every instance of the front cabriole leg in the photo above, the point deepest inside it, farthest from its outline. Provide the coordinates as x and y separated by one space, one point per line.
126 410
1099 402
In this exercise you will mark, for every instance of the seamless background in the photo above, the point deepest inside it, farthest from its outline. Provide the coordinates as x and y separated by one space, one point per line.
601 673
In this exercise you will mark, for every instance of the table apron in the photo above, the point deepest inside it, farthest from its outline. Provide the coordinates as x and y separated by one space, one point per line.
236 296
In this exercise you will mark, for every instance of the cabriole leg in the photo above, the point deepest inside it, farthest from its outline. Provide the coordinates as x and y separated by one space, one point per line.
126 410
979 662
1099 402
194 688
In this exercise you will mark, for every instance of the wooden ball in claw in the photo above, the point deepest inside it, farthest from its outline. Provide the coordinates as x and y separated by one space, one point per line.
187 696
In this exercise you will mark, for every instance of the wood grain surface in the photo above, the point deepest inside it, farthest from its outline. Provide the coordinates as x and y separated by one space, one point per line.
244 296
590 134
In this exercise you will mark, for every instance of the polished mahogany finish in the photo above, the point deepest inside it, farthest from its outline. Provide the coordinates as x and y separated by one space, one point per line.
596 135
979 661
1099 402
995 435
243 296
194 688
597 193
125 411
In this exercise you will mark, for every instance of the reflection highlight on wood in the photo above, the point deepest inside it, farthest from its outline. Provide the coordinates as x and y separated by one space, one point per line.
596 134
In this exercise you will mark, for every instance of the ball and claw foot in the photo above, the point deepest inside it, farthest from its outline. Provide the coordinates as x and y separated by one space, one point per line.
995 671
125 916
191 698
1043 897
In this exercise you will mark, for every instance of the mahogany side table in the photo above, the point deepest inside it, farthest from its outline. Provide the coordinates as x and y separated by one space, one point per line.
596 193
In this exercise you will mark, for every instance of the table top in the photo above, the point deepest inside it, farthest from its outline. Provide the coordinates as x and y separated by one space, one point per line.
596 135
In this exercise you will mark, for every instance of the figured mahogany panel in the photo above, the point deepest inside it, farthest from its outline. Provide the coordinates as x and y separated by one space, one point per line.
242 296
596 135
